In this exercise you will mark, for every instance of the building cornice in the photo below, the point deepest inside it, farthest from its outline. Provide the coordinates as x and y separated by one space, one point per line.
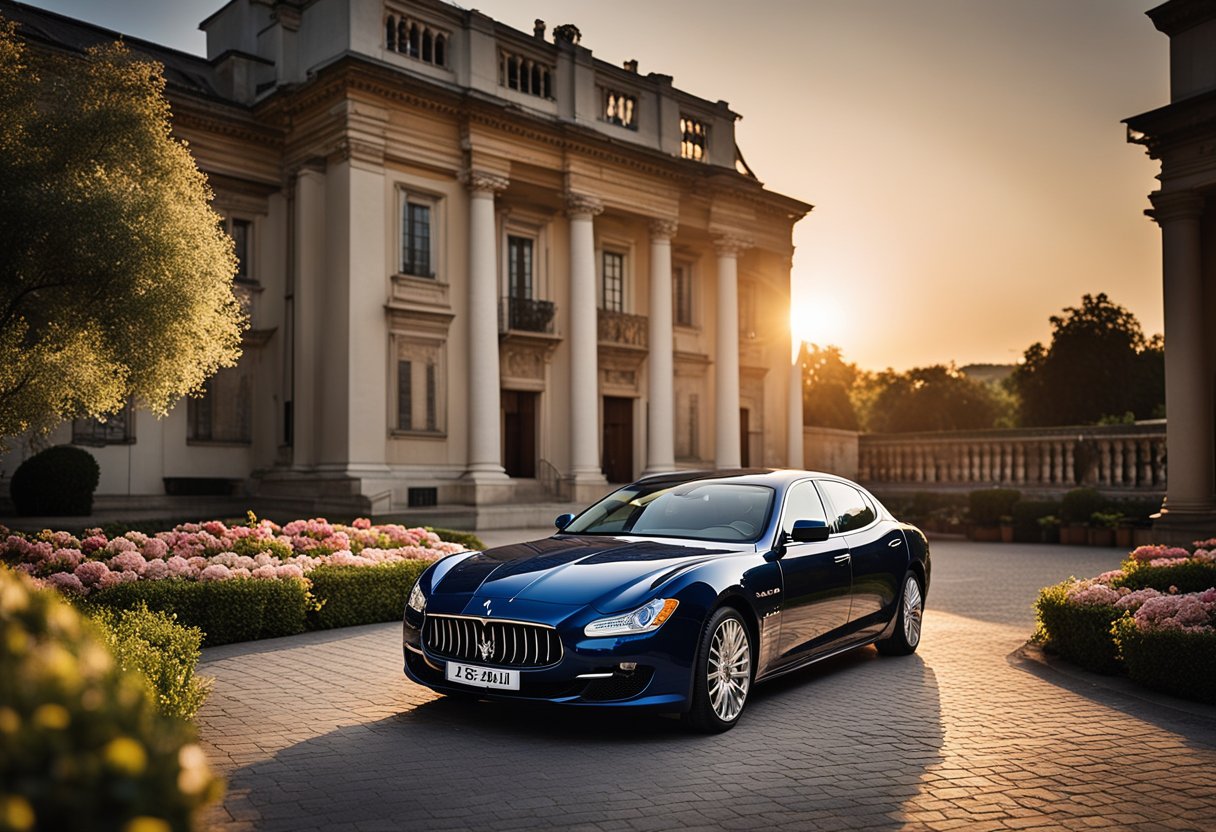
1177 16
1177 122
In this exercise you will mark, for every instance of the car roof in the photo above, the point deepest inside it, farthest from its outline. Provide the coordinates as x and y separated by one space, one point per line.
743 476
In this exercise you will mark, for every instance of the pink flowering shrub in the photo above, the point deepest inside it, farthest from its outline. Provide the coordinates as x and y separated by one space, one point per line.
1156 552
214 551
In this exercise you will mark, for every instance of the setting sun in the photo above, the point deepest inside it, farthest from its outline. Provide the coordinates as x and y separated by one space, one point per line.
817 321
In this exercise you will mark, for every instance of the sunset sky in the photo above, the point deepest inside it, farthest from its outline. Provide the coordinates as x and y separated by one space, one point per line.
965 157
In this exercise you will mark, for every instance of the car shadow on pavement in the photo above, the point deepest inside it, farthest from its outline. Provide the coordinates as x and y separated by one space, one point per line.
847 740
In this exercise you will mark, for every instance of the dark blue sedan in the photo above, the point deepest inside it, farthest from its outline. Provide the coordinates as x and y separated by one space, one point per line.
676 593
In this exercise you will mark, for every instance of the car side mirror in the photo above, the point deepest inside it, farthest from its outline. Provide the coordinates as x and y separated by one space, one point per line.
809 531
563 520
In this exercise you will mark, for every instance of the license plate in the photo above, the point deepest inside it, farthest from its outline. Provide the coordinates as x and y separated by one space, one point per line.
482 677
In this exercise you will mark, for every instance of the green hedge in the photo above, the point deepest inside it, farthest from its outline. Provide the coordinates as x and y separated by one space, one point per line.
82 744
466 539
226 611
987 506
162 651
1079 633
1192 576
1078 505
1173 661
351 595
1026 515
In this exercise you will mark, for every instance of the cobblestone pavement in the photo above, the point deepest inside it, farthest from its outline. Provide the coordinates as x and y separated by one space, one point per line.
322 731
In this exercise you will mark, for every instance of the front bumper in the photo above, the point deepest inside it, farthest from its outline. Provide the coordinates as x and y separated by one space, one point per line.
589 672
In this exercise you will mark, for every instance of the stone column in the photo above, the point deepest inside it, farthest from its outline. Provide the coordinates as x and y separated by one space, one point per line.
484 469
1188 394
586 475
660 428
727 453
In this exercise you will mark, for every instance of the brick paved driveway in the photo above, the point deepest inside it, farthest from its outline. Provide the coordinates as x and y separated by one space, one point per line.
322 731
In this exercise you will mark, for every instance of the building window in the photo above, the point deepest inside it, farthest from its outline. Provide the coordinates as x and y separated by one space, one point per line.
117 429
521 73
681 287
620 109
694 139
241 231
519 267
614 282
416 239
420 400
224 413
416 39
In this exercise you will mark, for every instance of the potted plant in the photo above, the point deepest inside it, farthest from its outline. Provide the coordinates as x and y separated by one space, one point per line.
1102 525
1125 533
1006 528
985 509
1049 529
1076 509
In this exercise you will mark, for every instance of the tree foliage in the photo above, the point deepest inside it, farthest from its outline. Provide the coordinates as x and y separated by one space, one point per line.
929 399
115 275
1098 367
827 383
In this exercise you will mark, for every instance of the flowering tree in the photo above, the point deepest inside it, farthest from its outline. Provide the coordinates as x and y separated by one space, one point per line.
115 276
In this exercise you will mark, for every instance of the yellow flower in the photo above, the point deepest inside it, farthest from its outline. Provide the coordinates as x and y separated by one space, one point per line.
126 756
16 813
52 717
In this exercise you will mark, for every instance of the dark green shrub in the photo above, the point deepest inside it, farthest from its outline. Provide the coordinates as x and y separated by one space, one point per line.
351 595
1026 515
466 539
226 611
82 744
57 482
1078 632
987 506
1174 661
1080 504
162 651
1191 576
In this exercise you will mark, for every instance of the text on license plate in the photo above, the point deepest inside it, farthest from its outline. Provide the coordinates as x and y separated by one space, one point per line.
483 677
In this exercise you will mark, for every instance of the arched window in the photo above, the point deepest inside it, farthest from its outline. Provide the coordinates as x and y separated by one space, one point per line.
390 33
428 52
415 36
537 87
403 36
513 72
441 49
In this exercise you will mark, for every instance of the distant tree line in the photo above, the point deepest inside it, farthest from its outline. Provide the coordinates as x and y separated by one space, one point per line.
1098 368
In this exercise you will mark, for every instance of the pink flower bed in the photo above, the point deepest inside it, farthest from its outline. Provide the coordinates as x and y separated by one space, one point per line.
214 551
1193 612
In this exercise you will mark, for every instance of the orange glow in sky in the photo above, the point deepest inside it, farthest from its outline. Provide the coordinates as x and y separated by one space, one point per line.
966 158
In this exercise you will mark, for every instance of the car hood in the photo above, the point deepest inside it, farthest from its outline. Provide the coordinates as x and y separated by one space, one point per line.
609 573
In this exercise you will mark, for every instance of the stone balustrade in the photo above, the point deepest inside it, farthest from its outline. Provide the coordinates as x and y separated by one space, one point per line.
622 328
1112 457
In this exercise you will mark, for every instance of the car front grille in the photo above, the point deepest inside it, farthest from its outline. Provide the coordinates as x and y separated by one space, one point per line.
509 643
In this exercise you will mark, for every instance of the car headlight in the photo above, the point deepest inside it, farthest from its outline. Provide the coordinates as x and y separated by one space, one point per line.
417 601
642 620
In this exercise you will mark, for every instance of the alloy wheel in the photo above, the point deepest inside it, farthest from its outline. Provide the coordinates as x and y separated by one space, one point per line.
914 608
729 669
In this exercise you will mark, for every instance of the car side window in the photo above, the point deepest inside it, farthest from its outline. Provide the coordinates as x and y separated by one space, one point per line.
852 509
802 503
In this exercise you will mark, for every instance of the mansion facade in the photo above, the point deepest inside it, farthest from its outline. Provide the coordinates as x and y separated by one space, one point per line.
482 266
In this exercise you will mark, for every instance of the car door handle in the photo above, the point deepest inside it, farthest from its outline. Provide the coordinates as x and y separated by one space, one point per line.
895 542
845 558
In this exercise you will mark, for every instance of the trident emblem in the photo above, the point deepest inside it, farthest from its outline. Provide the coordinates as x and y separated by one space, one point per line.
486 648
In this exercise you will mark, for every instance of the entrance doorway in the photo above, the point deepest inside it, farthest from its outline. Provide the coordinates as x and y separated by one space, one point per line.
618 439
519 433
745 437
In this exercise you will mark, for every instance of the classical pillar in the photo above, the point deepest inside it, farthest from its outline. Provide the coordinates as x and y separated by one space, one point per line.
727 453
660 428
485 439
586 474
1188 394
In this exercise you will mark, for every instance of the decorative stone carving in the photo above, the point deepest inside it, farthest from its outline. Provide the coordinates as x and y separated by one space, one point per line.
664 229
620 328
582 206
1175 205
620 378
480 181
523 363
729 245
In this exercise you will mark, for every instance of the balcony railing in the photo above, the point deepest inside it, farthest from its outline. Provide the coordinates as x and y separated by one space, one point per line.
620 328
1113 457
526 315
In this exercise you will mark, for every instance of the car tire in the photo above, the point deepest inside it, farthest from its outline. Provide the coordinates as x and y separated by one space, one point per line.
908 619
722 673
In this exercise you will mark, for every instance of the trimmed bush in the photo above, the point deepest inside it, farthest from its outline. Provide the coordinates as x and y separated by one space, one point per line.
1188 576
226 611
163 652
1026 515
1174 661
1079 505
82 744
1079 633
57 482
466 539
987 506
350 595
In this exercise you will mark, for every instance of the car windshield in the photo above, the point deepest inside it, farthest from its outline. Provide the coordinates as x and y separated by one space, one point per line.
699 510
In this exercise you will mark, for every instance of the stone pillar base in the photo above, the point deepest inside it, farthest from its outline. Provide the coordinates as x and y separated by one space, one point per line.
476 488
1181 528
